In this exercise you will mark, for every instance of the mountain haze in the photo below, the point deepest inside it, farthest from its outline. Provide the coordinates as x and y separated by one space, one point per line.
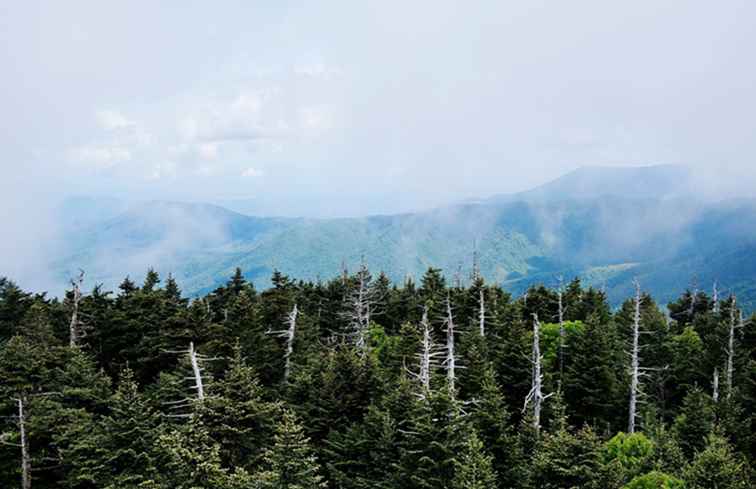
605 225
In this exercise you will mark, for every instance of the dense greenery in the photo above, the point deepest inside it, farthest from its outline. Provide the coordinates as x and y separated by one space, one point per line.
121 408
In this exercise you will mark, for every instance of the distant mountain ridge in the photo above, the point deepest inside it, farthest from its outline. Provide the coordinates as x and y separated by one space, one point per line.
603 224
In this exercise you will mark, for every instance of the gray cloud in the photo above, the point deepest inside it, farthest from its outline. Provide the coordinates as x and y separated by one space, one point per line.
350 108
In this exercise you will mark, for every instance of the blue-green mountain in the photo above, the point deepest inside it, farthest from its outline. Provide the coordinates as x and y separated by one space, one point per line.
605 225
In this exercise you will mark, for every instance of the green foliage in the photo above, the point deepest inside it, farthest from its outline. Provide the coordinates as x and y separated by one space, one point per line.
717 467
632 452
655 480
695 421
361 421
289 463
474 468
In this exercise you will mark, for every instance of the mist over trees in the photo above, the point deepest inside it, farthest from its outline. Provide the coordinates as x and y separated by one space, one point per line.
358 382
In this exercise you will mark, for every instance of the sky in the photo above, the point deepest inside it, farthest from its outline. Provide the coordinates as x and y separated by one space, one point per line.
351 108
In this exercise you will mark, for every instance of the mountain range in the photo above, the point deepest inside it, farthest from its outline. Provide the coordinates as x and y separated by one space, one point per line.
606 225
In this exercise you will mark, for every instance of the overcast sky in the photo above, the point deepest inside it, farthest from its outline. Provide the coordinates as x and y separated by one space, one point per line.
343 108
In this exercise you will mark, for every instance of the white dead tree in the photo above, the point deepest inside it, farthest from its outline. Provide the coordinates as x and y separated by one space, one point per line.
427 357
194 359
475 274
715 297
560 313
360 305
693 299
25 458
289 334
23 442
23 437
635 369
75 326
482 313
536 396
450 362
715 385
731 344
197 379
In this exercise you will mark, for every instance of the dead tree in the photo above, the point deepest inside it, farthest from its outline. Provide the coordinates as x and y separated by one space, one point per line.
536 395
23 442
75 326
289 333
715 385
23 437
560 312
25 459
361 304
428 356
635 371
482 313
451 359
197 372
197 379
715 297
475 274
731 345
693 299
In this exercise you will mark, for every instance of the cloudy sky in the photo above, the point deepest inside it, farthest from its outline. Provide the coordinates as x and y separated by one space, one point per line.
344 108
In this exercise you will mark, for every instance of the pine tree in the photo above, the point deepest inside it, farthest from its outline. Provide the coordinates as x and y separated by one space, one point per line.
474 468
592 388
435 435
570 460
290 463
115 450
695 421
238 416
716 466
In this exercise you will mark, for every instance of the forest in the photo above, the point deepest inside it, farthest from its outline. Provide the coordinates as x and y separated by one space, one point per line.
357 382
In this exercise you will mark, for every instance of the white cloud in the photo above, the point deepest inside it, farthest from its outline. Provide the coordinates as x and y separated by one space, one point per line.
208 151
316 118
100 157
167 169
111 120
252 172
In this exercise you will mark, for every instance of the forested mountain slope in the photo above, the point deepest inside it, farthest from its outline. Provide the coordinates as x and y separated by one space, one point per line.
356 382
602 224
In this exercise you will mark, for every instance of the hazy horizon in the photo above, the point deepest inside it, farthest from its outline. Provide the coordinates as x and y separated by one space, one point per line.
339 109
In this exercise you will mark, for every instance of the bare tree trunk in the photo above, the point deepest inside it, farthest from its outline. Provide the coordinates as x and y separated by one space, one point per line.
426 356
451 359
715 385
715 298
561 330
74 325
536 391
731 345
25 458
197 370
290 333
635 362
482 313
475 274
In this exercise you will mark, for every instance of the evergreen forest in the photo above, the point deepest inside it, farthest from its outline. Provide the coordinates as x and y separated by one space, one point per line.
358 382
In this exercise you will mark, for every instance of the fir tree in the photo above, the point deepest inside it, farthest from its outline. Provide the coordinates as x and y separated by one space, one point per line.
717 467
474 468
290 462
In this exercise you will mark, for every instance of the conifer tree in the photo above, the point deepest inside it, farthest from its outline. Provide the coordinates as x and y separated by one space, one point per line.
716 466
237 415
695 421
115 450
290 462
473 468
